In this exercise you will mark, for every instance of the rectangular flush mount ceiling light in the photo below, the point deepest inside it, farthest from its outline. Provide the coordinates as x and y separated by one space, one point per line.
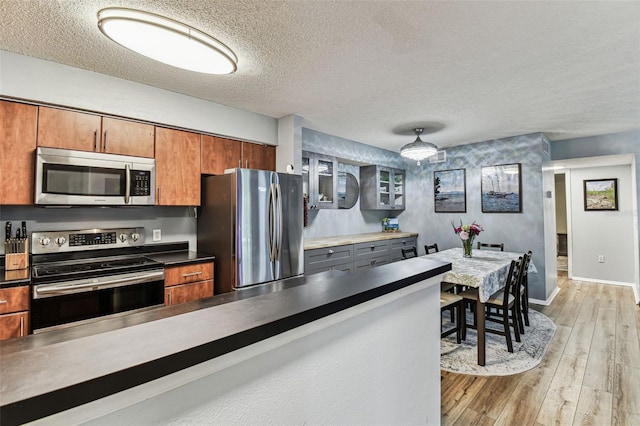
167 41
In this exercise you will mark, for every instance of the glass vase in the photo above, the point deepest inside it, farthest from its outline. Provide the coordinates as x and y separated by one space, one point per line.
467 247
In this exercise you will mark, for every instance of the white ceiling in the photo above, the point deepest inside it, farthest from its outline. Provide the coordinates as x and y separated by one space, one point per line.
369 71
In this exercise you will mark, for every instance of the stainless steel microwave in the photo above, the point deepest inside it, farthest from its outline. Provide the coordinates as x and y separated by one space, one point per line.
70 178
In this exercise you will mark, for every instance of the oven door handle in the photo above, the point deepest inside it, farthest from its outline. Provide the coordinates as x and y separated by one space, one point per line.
50 290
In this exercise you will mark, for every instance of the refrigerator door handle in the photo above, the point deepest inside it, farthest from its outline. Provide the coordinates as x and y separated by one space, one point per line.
271 211
279 223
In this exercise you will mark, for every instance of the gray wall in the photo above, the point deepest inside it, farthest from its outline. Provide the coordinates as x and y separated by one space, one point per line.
519 231
595 146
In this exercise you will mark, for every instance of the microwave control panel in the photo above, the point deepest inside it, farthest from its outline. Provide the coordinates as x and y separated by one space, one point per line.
140 183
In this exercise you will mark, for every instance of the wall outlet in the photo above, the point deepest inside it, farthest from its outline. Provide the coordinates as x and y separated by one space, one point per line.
600 258
157 234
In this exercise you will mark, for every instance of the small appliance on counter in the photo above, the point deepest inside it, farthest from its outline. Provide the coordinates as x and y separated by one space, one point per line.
16 248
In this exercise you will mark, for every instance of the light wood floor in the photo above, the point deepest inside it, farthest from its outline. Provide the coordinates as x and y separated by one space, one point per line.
589 376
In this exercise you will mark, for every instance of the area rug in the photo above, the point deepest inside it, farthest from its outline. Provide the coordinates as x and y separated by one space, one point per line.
463 358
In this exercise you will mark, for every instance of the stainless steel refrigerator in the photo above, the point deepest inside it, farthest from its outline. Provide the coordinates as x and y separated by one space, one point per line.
251 221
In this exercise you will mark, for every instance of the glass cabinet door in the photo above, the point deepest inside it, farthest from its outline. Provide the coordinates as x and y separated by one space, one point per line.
326 180
385 189
398 189
305 177
320 180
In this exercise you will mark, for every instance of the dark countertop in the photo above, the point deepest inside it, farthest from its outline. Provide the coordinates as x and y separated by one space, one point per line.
15 277
51 372
182 257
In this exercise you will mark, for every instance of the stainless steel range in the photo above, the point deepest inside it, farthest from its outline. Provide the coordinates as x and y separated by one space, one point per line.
88 274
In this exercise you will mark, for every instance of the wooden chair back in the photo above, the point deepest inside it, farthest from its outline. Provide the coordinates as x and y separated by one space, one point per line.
491 246
408 252
433 248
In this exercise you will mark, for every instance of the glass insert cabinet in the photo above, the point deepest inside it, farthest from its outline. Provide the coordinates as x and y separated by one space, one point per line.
320 180
382 188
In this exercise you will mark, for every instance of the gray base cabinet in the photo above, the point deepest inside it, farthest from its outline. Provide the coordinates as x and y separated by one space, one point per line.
355 257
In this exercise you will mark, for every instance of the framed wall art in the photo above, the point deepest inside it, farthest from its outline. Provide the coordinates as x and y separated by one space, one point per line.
501 189
450 191
600 194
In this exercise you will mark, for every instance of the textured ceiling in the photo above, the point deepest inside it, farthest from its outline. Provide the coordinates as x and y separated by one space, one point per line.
371 70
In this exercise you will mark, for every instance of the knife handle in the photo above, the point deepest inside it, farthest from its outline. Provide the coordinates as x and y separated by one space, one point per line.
7 231
24 229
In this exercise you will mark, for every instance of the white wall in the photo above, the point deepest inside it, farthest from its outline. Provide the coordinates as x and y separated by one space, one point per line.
608 233
375 363
42 81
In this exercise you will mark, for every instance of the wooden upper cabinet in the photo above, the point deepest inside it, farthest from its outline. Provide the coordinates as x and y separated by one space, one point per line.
17 152
59 128
177 168
219 154
128 137
260 157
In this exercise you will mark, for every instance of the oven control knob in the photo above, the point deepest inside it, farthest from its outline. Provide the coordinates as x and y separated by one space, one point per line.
44 241
123 237
61 240
135 236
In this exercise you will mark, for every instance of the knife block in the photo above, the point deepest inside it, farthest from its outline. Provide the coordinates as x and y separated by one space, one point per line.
16 260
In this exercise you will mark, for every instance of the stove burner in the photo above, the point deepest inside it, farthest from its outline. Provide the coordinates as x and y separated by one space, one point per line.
61 269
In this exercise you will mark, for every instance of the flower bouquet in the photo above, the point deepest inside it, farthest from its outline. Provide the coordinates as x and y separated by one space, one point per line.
467 234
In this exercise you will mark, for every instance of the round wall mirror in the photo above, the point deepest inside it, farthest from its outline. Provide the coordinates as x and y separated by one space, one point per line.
348 190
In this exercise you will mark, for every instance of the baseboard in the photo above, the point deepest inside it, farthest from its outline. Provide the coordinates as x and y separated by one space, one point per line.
549 299
593 280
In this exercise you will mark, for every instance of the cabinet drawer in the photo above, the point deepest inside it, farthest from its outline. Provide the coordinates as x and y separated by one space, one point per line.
370 263
371 250
347 267
321 259
14 299
175 275
398 244
187 292
14 325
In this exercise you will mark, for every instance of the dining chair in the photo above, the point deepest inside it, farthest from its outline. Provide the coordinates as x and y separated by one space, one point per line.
504 302
409 252
433 248
449 301
524 290
490 246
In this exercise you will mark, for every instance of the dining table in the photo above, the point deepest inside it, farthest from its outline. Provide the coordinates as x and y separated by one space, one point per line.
487 271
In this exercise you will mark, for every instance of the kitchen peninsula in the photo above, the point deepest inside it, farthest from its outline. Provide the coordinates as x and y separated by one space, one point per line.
313 346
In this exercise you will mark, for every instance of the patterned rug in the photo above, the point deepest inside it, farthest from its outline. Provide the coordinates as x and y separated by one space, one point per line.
463 358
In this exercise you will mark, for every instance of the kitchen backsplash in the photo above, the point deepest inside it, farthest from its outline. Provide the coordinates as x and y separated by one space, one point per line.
175 223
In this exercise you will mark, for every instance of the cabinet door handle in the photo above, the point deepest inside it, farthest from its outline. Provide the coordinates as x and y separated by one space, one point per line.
169 298
190 274
3 302
239 164
95 140
21 326
158 195
105 140
330 251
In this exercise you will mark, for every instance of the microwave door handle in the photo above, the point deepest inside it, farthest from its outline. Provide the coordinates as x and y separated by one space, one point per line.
127 185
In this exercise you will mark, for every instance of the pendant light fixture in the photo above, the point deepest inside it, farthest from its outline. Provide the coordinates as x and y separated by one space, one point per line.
418 150
167 41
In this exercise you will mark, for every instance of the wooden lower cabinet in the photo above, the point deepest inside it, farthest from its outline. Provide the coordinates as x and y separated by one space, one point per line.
188 282
355 257
14 312
14 325
187 292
